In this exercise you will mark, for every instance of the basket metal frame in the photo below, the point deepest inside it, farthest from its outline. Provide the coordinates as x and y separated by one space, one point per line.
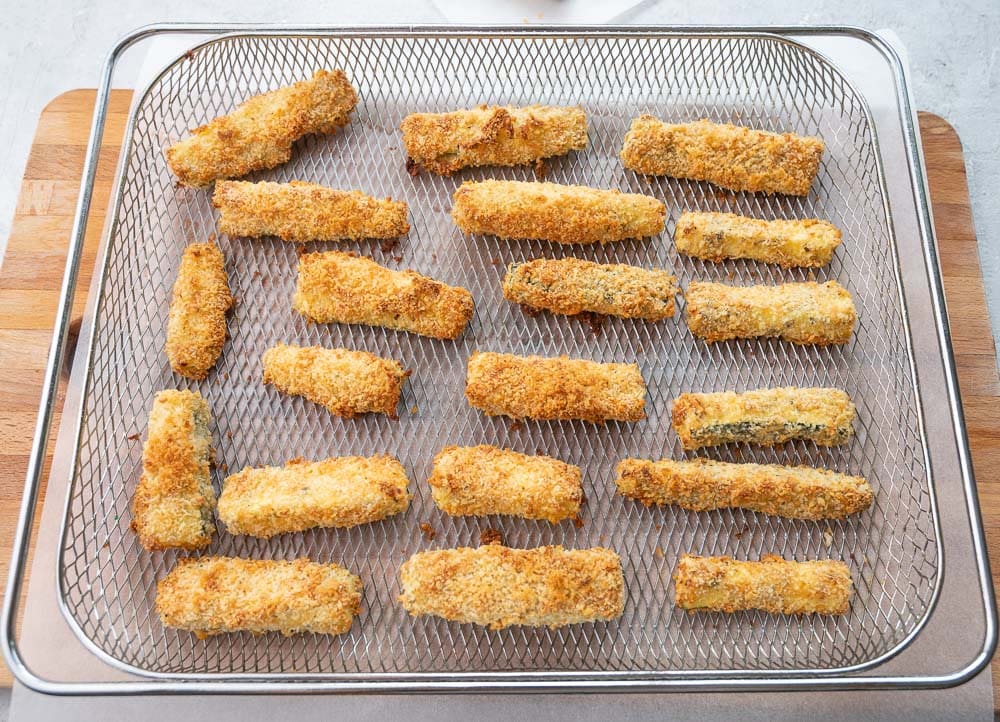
563 681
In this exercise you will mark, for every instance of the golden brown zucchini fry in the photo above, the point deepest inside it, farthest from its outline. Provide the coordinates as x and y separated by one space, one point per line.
776 586
346 383
174 500
482 480
499 587
764 416
196 330
553 212
259 134
338 492
715 237
555 388
337 287
213 595
802 313
303 212
492 135
730 156
795 492
570 286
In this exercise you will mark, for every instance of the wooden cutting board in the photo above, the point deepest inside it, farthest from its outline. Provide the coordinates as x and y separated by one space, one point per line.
31 276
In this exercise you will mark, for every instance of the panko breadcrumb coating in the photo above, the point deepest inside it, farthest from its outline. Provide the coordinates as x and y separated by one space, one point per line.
795 492
259 134
338 492
196 330
803 313
337 287
730 156
499 587
533 387
570 286
482 480
554 212
764 416
346 383
774 585
808 243
174 501
213 595
491 135
303 212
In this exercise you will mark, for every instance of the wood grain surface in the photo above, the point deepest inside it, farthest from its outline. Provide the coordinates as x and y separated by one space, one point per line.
32 270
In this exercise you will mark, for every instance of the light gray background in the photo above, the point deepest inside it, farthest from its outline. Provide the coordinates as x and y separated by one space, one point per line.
46 48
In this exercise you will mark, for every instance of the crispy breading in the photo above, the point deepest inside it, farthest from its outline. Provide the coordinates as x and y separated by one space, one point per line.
764 416
807 243
346 383
214 595
482 480
795 492
730 156
570 286
260 132
499 587
774 585
174 501
802 313
337 492
554 212
534 387
196 330
337 287
492 135
302 212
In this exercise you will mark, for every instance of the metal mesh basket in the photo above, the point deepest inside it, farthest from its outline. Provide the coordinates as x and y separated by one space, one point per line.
107 581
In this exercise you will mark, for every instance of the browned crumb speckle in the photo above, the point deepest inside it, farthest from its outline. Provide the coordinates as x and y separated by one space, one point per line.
774 585
554 212
337 287
730 156
300 212
483 480
555 388
174 500
196 329
428 531
496 586
212 595
259 134
491 135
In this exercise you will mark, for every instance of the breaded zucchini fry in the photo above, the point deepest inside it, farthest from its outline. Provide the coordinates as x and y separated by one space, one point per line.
730 156
213 595
482 480
259 134
764 416
347 383
553 212
499 587
303 212
802 313
796 492
337 287
196 330
776 586
492 135
806 243
174 500
533 387
338 492
570 286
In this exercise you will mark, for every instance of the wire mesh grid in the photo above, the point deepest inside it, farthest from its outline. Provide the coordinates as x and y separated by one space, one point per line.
108 581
